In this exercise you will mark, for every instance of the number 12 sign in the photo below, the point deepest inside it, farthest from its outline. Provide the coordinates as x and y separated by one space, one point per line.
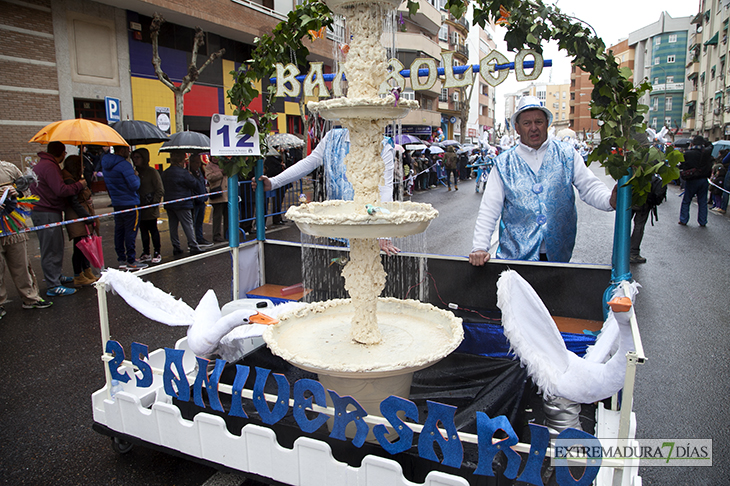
227 137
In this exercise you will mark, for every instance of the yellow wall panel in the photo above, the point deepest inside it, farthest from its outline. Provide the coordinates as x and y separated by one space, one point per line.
147 94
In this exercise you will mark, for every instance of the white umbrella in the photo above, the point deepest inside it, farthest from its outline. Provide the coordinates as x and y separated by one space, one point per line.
284 141
435 150
416 146
565 132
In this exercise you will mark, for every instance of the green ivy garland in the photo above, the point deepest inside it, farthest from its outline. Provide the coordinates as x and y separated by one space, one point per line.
614 101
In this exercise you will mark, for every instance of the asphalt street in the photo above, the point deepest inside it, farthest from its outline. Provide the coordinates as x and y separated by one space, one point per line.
50 358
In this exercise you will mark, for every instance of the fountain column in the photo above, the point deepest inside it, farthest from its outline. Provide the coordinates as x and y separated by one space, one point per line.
365 71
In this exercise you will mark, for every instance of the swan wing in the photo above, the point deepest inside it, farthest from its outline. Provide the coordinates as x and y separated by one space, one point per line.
147 299
532 332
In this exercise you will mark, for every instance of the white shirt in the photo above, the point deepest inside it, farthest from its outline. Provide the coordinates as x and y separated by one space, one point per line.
316 158
590 189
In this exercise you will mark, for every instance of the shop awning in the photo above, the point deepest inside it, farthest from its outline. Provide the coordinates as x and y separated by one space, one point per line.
713 40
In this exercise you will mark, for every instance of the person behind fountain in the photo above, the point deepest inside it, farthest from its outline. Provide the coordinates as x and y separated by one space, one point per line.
534 194
330 153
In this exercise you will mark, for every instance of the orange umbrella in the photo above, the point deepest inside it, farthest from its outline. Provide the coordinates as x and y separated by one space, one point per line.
79 132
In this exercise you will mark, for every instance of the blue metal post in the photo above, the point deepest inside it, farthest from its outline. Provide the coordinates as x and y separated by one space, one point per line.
260 203
621 240
233 211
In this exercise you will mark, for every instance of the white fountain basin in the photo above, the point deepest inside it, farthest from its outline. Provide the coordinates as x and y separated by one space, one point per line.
363 108
316 337
346 219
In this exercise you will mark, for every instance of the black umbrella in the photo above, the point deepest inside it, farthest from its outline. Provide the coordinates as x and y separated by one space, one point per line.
187 141
138 132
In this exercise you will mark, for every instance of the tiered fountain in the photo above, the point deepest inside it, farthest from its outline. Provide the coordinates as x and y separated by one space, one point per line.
366 346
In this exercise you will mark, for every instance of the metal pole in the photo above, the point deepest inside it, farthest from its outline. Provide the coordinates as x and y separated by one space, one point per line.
620 270
260 203
233 205
105 333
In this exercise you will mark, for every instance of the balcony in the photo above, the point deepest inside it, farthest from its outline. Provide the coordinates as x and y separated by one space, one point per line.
693 71
692 96
462 49
427 16
415 42
462 22
422 117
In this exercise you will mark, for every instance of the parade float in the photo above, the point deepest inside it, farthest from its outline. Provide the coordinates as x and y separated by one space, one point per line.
353 388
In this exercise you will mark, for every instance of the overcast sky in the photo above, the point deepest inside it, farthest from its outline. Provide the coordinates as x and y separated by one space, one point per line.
613 21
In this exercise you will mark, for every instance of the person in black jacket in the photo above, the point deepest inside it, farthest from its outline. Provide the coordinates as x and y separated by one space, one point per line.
179 184
695 170
195 167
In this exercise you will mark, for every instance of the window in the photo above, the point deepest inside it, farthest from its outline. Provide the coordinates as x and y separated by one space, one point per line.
656 81
408 94
668 121
563 105
657 41
444 32
444 96
670 79
670 59
668 103
542 95
672 37
656 61
653 122
655 104
564 94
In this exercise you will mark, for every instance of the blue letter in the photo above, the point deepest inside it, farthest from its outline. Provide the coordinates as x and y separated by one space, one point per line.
343 417
238 384
300 404
570 438
175 356
281 406
211 385
140 351
390 408
116 350
451 446
539 442
486 428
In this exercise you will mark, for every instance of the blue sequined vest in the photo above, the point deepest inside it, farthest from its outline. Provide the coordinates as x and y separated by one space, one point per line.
538 207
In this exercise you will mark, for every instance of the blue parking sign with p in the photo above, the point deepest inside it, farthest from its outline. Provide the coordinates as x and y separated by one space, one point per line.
112 109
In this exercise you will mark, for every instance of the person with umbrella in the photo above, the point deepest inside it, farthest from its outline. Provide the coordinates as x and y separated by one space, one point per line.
122 183
52 192
179 183
150 193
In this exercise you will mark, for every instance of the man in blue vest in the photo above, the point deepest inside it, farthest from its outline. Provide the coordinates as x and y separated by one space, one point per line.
533 194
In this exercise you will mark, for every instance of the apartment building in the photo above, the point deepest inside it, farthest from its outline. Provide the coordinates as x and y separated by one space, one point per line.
62 58
707 97
483 99
660 55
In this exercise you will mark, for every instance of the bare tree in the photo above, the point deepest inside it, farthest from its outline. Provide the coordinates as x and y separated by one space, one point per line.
193 71
465 97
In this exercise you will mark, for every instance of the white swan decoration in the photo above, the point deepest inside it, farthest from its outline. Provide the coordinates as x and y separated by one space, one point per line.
558 372
206 325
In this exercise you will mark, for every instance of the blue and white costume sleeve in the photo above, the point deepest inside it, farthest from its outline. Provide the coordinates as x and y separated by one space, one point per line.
331 152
